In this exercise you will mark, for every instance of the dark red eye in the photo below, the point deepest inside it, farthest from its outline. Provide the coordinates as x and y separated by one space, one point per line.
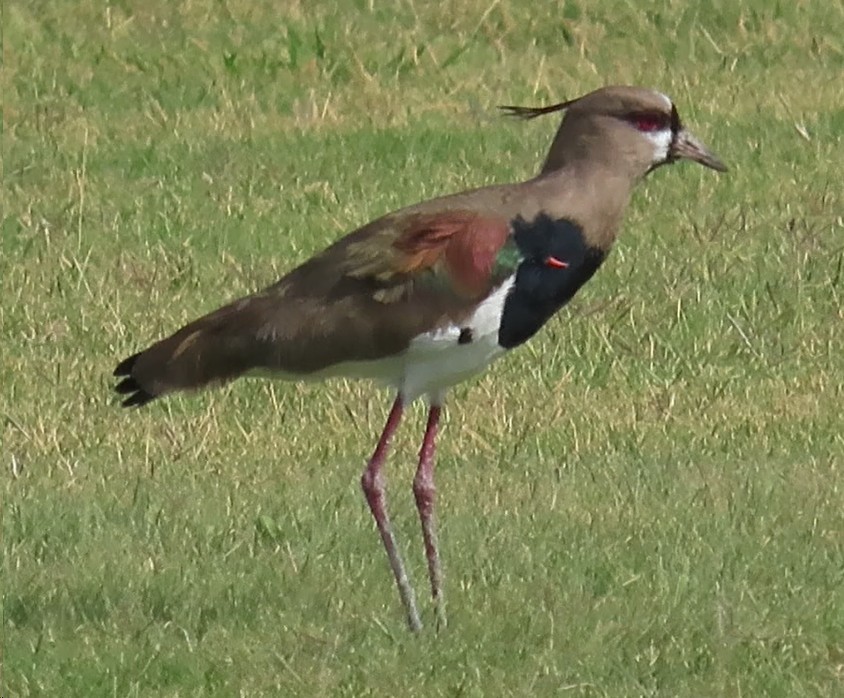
648 122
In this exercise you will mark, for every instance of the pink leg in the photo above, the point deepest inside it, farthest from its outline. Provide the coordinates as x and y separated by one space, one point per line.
372 483
425 493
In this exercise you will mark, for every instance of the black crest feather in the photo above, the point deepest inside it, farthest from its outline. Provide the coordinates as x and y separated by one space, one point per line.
527 113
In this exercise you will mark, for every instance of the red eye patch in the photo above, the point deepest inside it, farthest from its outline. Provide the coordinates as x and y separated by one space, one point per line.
648 122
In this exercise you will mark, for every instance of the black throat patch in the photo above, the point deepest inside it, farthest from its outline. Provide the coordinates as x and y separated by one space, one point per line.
557 262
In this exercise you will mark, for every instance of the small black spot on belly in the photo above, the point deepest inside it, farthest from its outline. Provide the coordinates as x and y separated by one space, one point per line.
465 336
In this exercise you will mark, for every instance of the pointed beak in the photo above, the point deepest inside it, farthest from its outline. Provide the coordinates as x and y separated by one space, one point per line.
688 147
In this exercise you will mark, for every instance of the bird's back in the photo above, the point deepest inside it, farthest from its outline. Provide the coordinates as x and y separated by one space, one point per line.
361 300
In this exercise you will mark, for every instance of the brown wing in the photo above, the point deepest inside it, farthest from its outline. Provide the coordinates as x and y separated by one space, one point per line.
457 247
362 299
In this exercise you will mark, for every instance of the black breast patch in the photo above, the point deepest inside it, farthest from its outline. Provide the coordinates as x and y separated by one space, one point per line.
557 261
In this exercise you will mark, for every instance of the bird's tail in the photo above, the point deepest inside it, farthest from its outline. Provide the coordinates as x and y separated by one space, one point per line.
212 349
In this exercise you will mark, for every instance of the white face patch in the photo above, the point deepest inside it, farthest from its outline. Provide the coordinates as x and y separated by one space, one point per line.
662 142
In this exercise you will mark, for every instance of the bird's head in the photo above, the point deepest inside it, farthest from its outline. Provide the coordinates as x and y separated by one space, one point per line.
631 128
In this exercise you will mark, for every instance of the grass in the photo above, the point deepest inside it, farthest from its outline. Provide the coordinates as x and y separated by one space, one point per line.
645 501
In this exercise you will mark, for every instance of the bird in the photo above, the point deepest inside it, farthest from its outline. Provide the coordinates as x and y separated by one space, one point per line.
427 296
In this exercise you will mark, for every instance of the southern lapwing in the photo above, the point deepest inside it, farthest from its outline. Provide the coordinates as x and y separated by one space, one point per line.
427 296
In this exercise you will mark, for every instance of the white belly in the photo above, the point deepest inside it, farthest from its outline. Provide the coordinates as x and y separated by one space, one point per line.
436 360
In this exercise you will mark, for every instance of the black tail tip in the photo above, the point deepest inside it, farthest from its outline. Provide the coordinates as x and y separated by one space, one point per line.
124 368
136 395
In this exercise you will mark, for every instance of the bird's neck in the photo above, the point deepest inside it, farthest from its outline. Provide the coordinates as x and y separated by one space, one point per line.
593 196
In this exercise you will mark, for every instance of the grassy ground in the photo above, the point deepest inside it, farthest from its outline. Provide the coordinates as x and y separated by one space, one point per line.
647 500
